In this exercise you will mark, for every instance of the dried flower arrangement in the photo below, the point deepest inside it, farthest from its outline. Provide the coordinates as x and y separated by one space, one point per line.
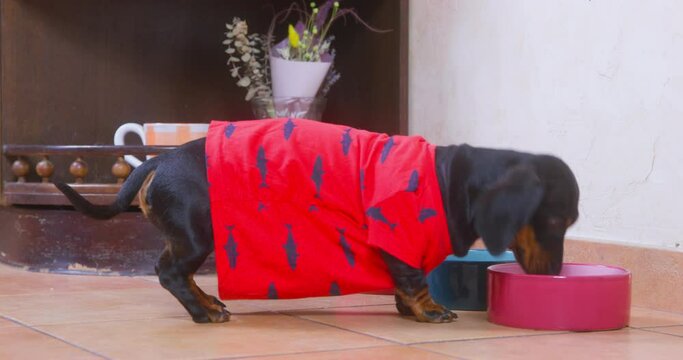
308 40
247 59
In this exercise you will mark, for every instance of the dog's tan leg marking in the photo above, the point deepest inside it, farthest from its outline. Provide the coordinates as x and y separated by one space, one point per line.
216 312
142 195
424 308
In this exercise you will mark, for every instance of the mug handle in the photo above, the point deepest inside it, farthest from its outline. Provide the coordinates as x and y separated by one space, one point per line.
120 134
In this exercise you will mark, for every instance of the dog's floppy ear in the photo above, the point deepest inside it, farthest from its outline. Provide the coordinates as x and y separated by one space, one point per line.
501 211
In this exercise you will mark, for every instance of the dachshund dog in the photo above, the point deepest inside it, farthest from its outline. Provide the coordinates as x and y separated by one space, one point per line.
521 201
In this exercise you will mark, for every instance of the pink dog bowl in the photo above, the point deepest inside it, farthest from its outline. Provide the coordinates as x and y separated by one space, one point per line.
582 298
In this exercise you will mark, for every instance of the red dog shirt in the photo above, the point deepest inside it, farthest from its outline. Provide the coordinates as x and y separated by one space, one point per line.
299 207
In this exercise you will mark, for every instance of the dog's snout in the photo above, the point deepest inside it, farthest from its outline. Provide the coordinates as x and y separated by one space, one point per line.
555 268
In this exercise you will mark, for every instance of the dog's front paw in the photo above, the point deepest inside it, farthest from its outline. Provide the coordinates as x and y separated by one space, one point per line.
215 301
435 313
423 307
213 316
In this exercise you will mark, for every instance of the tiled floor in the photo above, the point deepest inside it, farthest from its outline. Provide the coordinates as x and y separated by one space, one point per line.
74 317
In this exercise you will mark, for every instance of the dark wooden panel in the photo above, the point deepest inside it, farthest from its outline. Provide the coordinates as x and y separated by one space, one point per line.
62 240
74 70
77 150
47 194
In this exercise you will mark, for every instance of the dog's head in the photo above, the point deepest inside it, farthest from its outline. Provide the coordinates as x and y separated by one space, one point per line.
528 209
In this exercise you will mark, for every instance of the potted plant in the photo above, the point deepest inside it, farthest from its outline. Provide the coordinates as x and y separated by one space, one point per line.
290 78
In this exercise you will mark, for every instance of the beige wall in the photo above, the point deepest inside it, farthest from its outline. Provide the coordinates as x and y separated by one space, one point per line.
599 83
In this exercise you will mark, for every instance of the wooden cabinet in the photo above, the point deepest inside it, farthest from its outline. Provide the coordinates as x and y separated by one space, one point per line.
74 70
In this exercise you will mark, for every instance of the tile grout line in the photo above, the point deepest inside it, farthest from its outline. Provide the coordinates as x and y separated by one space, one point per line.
661 333
492 338
15 321
265 308
438 353
303 352
654 327
341 328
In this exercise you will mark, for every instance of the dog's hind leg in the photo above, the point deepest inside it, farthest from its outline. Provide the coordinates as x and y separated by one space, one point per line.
190 241
412 293
176 268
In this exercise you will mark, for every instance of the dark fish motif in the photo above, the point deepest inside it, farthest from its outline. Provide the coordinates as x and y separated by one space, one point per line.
386 149
290 248
334 289
313 208
346 141
362 179
426 214
272 291
376 213
413 182
289 128
261 206
261 162
231 248
350 256
229 130
317 176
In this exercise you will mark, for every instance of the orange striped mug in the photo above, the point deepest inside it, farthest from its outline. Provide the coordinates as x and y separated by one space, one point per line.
159 134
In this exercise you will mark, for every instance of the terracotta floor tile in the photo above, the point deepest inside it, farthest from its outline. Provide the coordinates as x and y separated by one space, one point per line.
24 343
671 330
244 335
325 302
17 282
209 284
106 305
375 353
384 322
6 323
641 317
620 344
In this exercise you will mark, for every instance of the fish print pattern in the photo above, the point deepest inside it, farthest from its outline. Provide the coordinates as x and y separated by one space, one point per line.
426 214
317 176
386 149
289 128
362 179
346 141
261 163
290 248
348 252
334 289
413 182
272 291
231 248
229 129
376 214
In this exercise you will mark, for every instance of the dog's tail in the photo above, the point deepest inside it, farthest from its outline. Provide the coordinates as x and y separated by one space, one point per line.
125 196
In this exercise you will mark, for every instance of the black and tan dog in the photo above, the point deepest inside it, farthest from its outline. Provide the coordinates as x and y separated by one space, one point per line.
509 199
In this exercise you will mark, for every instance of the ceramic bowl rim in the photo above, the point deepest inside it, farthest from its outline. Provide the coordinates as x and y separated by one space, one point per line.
498 270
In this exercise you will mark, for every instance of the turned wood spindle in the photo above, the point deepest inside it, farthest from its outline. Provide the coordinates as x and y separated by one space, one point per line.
79 169
121 170
45 169
20 168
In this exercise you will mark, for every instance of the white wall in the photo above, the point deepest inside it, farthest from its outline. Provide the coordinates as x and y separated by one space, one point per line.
599 83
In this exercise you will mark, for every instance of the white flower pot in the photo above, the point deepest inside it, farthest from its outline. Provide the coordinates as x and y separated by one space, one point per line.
297 78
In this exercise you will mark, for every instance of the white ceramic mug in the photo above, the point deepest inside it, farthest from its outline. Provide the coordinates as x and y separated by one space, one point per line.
159 134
